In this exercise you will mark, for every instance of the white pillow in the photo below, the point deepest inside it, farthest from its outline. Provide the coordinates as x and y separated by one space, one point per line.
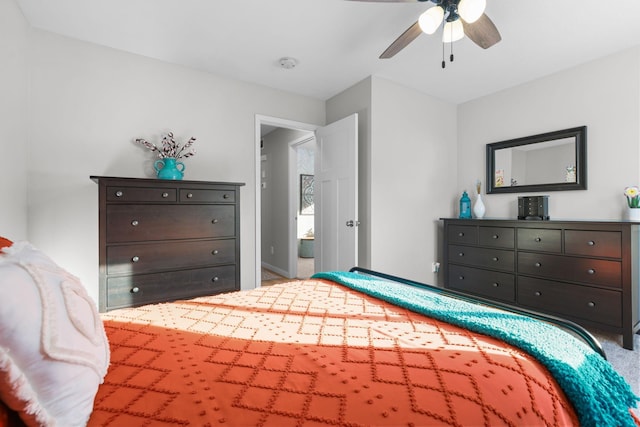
53 349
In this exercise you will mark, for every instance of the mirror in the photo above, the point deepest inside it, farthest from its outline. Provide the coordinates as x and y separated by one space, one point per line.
551 161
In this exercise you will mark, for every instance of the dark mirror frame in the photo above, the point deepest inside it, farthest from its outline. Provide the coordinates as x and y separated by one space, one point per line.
580 133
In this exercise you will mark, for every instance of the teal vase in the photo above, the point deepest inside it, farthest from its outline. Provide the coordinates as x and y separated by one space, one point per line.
169 168
465 206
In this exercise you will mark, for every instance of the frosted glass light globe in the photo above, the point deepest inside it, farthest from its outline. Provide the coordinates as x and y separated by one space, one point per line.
431 19
453 31
471 10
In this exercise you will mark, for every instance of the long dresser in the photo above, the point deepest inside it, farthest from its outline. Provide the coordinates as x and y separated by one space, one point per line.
162 240
584 271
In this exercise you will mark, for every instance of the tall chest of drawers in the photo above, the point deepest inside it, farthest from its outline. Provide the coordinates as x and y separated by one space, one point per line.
584 271
163 240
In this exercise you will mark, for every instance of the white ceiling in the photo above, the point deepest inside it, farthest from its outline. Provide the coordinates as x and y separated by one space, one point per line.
337 42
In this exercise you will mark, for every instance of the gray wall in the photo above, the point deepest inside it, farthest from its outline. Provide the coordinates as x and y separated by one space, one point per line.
276 217
88 103
14 33
357 99
407 171
604 95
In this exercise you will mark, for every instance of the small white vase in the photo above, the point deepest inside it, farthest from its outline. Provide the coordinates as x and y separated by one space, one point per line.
478 208
633 214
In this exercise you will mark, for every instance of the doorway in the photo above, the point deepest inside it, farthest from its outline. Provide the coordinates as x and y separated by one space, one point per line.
335 196
284 199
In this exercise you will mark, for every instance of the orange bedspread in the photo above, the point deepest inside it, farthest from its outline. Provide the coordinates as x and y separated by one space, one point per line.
314 353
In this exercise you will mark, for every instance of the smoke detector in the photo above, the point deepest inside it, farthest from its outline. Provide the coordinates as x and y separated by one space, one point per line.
288 63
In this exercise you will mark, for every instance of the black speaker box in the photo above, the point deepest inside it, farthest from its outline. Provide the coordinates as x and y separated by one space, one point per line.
533 207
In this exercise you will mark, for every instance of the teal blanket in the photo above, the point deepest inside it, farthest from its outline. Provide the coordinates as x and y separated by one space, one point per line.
600 396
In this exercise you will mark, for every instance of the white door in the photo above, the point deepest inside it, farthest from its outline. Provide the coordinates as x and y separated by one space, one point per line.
336 195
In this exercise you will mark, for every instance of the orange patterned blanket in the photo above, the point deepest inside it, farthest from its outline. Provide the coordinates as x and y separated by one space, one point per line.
314 353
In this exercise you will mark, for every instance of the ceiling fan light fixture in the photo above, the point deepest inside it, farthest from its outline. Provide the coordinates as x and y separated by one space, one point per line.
453 31
471 10
431 19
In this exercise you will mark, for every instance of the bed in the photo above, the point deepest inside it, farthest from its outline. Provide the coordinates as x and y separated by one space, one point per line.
356 348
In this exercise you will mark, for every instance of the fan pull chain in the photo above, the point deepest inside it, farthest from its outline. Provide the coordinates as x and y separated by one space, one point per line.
444 64
451 49
451 56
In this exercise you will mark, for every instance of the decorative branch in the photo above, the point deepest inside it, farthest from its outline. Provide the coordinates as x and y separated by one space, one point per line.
169 147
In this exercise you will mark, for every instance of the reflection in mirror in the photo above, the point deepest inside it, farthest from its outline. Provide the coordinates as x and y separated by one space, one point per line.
551 161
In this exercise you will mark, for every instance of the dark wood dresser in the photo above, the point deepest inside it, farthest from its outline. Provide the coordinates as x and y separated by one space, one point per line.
584 271
164 240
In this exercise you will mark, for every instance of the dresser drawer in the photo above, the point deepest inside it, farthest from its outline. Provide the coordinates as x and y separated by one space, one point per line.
140 194
585 270
488 284
593 243
540 239
482 257
147 258
497 237
583 302
463 234
148 288
131 223
207 196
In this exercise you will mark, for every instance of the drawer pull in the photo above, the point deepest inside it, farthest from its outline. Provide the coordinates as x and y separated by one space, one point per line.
461 234
215 279
538 239
226 196
214 221
495 236
460 277
135 222
591 271
460 253
591 304
189 195
591 243
537 293
119 193
165 195
495 285
135 259
214 252
537 264
135 290
495 258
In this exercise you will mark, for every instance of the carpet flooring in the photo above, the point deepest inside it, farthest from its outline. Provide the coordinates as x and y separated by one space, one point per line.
625 362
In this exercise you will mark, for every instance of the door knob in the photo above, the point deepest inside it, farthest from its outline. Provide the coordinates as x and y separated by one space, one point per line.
352 223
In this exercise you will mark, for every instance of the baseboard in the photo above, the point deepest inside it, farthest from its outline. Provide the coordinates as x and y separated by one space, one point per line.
276 270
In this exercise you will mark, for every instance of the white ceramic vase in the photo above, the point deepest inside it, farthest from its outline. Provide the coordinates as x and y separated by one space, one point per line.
479 209
633 214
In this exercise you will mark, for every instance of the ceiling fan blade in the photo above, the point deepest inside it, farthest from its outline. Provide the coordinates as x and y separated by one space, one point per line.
401 42
483 32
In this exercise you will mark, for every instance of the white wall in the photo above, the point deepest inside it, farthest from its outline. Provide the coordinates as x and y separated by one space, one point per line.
14 39
413 169
604 95
88 103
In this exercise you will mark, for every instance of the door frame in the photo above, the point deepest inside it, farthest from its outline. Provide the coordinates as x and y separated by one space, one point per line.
282 123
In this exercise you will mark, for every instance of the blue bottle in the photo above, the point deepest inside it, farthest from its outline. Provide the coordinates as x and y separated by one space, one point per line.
465 206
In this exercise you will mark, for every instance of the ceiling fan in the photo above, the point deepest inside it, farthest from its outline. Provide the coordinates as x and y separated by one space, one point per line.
458 18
